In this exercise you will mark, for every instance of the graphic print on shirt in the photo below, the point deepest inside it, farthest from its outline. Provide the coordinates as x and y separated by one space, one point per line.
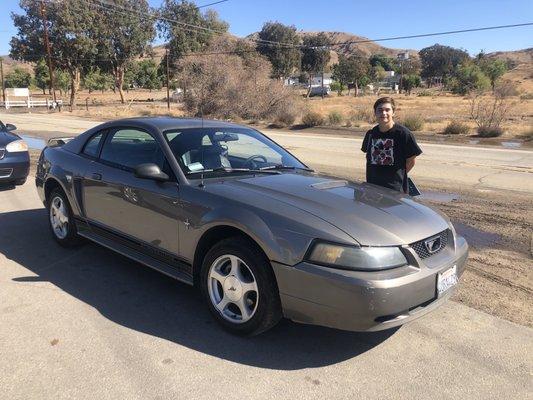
382 152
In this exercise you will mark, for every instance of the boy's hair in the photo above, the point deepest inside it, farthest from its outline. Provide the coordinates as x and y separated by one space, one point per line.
383 100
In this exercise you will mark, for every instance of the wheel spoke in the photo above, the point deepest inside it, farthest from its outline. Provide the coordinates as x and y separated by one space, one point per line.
222 304
246 313
235 267
217 275
248 287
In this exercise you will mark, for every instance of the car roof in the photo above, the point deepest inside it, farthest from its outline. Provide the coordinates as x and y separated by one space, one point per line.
161 124
168 123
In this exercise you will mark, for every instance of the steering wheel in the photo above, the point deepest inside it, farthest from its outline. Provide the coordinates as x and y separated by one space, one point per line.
250 160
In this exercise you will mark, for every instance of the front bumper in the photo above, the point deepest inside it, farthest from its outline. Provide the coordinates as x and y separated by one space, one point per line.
14 167
364 301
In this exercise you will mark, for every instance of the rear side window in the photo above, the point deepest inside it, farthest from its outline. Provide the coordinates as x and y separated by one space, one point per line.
91 148
131 147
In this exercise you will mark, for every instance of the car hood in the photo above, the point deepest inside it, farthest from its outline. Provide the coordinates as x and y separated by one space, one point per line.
369 214
7 137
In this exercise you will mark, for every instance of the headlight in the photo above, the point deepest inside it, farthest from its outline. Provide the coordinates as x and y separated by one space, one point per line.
357 258
17 146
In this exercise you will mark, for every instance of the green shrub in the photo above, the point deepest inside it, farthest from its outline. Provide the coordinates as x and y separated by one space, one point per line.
337 87
413 122
526 96
312 119
456 128
489 131
425 93
335 118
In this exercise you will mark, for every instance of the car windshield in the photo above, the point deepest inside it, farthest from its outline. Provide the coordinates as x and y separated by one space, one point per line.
226 150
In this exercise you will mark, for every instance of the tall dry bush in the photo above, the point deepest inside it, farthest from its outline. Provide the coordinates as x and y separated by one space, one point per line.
489 111
231 86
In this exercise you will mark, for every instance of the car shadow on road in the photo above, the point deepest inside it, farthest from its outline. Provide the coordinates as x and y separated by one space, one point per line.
7 186
144 300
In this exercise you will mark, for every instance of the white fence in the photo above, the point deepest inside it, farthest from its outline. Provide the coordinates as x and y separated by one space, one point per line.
31 103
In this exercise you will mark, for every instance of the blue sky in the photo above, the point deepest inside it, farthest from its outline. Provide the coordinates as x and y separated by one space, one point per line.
372 19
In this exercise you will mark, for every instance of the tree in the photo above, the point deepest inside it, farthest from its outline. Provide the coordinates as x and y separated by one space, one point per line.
438 60
42 75
410 81
493 69
284 54
123 36
147 76
468 77
18 78
62 80
353 69
387 63
315 53
95 79
378 73
70 24
185 37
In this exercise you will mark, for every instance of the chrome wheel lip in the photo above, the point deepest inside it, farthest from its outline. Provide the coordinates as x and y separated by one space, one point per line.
59 217
237 287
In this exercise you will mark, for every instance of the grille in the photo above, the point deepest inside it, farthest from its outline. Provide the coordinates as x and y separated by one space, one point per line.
5 172
421 249
2 153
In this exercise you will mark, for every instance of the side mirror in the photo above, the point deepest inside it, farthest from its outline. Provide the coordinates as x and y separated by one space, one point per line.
150 171
10 127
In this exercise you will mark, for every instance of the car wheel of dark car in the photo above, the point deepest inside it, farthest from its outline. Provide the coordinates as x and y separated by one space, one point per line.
239 287
61 220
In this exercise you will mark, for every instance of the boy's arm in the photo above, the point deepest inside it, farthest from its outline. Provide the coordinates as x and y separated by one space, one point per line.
410 163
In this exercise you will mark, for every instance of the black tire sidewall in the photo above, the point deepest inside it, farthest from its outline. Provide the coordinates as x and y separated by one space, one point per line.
268 310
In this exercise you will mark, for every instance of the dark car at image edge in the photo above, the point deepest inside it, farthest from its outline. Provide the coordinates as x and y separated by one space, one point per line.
14 157
223 207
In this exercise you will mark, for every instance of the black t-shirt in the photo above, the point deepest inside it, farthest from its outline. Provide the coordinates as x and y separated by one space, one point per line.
386 154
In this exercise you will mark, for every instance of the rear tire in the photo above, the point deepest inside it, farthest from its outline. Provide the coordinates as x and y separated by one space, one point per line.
239 287
61 220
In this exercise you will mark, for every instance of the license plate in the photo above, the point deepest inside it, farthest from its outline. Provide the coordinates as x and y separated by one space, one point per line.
446 279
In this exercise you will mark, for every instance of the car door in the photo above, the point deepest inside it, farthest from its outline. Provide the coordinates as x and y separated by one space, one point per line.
116 200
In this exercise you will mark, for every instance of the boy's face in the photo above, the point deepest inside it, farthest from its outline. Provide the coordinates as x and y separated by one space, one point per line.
384 113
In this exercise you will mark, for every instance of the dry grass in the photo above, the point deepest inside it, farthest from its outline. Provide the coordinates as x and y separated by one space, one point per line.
436 111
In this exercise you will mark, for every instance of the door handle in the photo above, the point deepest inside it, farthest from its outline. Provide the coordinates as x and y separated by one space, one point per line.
97 177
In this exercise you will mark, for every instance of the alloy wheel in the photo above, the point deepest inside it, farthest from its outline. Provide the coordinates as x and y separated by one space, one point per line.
59 217
233 289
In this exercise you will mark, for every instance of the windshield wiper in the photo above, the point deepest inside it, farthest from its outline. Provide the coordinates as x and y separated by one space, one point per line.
230 170
281 166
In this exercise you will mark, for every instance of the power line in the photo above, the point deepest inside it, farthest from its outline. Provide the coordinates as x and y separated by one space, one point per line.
189 27
433 34
212 4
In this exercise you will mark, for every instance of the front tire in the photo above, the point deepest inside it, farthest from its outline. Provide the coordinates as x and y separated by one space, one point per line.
61 220
239 287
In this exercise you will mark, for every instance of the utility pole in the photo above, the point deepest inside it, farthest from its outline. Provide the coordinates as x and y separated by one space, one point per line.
168 79
47 43
3 86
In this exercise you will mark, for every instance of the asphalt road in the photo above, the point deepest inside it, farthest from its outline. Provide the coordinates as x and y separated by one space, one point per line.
90 324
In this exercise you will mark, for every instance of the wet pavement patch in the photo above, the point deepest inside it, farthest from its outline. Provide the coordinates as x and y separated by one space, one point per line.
34 143
512 145
476 237
439 196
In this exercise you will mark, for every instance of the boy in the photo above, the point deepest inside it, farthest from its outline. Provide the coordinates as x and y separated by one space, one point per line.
390 149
